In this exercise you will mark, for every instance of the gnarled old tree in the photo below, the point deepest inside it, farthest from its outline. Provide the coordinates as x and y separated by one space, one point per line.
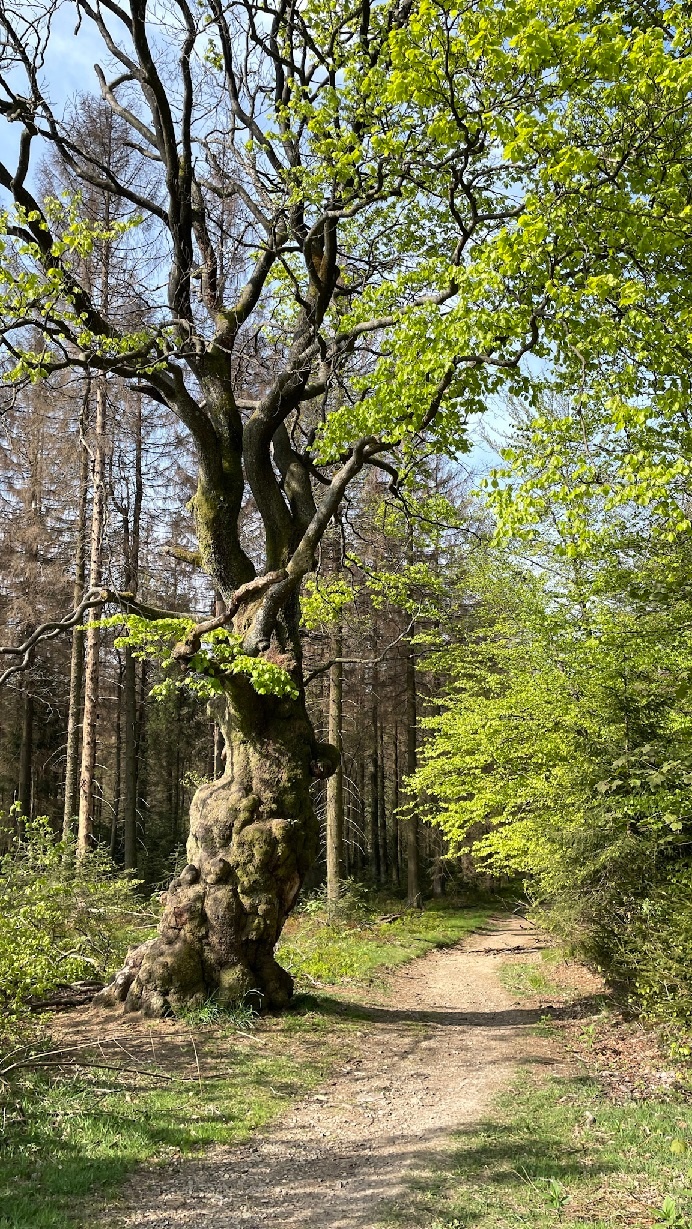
338 265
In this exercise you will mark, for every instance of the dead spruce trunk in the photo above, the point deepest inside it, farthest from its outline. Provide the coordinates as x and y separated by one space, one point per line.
253 836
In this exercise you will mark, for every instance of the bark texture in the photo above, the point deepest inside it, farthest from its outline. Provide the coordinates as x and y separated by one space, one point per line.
85 826
412 853
335 785
253 836
71 805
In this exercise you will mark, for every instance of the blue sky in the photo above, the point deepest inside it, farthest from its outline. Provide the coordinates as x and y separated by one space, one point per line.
69 70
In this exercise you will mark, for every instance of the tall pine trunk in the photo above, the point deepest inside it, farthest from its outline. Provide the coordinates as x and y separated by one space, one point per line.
26 753
93 637
118 758
374 775
129 769
74 716
412 852
394 827
382 810
335 784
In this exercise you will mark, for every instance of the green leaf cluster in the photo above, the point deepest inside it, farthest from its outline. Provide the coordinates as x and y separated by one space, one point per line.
563 752
323 601
219 657
40 255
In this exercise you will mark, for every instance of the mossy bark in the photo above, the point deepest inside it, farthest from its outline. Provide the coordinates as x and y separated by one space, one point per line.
253 836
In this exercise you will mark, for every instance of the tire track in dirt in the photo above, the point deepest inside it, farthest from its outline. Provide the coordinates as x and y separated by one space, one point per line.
438 1045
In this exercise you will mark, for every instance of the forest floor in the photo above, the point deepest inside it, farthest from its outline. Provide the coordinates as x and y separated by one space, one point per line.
490 1084
430 1053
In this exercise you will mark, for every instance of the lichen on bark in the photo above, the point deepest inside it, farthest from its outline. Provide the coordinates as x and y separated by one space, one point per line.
253 836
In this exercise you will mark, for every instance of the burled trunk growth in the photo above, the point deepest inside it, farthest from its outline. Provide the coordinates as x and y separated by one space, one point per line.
253 835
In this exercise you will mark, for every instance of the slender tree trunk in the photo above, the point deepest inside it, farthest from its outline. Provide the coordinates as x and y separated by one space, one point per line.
129 810
394 795
93 638
347 808
382 811
178 767
74 715
117 784
85 829
400 831
335 784
374 835
438 881
26 753
412 853
360 847
130 680
142 748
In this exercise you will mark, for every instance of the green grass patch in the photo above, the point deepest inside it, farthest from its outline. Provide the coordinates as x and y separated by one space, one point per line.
560 1153
319 951
524 979
70 1138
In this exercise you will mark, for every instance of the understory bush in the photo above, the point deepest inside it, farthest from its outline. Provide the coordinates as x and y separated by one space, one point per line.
563 752
61 919
655 955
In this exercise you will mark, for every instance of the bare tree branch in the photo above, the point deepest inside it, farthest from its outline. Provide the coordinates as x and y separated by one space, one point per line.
360 661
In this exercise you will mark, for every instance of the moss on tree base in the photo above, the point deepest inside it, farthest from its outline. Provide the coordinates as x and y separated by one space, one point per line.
253 837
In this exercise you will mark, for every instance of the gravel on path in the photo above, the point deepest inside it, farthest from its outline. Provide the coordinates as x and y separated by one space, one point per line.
441 1043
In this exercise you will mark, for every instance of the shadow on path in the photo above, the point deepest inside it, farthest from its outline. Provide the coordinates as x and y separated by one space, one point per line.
511 1017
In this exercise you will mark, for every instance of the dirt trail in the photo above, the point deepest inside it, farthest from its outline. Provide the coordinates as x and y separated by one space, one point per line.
439 1046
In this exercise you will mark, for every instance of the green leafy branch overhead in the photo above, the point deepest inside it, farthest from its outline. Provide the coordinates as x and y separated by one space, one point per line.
219 658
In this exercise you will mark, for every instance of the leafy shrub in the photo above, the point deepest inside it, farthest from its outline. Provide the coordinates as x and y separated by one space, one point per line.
652 950
354 903
563 751
61 920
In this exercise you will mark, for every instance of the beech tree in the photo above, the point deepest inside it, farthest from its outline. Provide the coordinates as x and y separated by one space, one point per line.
351 224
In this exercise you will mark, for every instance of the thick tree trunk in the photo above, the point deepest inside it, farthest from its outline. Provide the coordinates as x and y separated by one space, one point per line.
253 836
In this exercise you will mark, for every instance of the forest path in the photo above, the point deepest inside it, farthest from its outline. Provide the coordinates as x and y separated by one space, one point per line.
437 1046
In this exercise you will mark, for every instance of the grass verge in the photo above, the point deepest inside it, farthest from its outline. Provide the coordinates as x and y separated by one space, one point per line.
526 979
69 1138
319 951
561 1153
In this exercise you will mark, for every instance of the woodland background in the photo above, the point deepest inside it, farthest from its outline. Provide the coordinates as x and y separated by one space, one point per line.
503 661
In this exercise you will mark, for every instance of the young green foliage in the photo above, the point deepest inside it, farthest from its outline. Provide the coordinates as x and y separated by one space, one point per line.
60 920
219 657
563 752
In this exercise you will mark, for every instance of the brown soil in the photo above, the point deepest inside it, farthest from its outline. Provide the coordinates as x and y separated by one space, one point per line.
431 1055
